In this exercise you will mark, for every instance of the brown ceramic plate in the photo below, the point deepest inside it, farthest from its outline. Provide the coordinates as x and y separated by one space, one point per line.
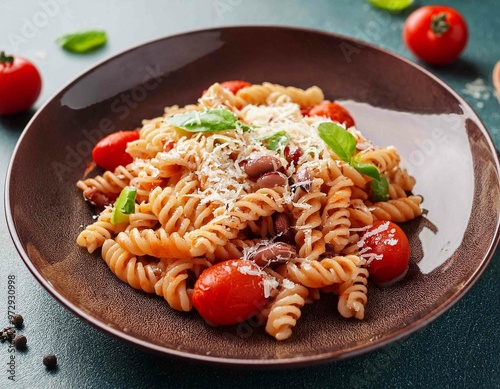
442 141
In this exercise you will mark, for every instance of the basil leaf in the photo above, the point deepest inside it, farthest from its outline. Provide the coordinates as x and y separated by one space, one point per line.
243 126
124 205
391 5
276 141
341 141
83 42
380 189
367 169
210 120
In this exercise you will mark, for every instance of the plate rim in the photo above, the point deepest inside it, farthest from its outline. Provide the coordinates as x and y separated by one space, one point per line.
307 360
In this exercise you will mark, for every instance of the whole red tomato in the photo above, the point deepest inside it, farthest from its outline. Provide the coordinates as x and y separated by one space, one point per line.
229 292
436 34
386 247
20 84
110 152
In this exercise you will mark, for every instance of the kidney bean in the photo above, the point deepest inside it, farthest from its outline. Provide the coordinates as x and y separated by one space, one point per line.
275 253
256 167
292 154
98 199
303 179
282 223
271 179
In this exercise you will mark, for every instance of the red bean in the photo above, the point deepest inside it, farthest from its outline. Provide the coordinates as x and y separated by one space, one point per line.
275 253
98 199
271 179
282 223
293 154
256 167
303 179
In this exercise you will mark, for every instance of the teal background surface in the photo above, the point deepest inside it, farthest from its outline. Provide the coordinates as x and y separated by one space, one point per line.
459 350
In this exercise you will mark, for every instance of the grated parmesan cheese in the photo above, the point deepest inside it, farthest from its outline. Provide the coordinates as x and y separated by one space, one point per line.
217 158
288 284
270 284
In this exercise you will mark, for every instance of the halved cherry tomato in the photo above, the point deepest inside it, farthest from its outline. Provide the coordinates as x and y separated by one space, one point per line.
229 292
110 152
436 34
333 111
20 84
387 251
234 86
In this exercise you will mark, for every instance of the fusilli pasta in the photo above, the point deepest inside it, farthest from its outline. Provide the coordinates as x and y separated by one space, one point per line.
298 213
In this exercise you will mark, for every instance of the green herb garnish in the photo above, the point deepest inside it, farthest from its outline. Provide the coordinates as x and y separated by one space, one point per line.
380 189
83 42
343 143
391 5
367 169
124 205
210 120
276 141
338 139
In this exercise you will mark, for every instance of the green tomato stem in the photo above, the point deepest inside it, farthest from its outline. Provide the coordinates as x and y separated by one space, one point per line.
439 24
6 59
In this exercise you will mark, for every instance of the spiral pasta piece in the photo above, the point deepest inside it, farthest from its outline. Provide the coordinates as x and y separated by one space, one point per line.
399 210
142 218
384 159
174 285
95 234
318 274
232 249
360 214
285 310
171 204
353 296
110 182
307 219
396 192
129 269
401 178
155 243
152 139
335 216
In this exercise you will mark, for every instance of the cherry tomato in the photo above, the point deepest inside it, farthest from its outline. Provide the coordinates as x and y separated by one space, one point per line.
20 84
333 111
229 292
387 251
436 34
110 151
234 86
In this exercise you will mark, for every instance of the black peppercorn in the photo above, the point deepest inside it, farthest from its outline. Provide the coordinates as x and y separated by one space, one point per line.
20 342
50 361
7 334
17 320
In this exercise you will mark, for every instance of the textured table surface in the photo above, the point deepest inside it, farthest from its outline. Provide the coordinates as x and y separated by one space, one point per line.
459 350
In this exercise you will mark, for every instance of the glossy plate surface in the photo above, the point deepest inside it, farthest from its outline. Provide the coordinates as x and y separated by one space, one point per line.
394 102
